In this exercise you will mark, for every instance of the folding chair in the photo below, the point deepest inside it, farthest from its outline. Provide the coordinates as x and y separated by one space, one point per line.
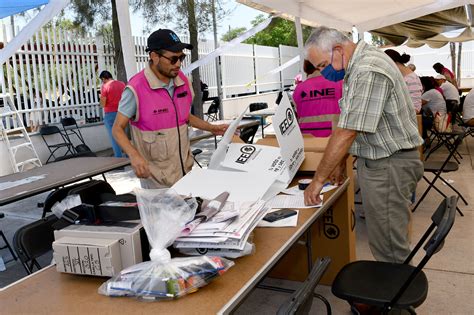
301 300
446 139
33 241
385 286
213 110
437 168
71 129
248 133
48 132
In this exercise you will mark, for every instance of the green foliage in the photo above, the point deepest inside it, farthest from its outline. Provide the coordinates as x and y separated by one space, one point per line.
279 32
233 33
175 12
379 41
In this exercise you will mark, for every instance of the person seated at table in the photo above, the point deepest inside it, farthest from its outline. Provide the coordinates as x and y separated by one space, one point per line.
468 109
157 103
451 94
316 101
432 102
411 78
439 68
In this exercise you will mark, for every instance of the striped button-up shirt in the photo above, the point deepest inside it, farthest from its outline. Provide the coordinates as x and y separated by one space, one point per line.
376 103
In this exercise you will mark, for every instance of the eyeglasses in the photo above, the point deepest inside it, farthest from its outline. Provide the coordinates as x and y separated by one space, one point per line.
174 59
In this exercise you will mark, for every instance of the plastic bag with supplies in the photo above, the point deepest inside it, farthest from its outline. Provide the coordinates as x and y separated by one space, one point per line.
164 214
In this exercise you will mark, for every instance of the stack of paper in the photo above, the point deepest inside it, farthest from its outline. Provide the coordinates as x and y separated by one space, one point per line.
231 234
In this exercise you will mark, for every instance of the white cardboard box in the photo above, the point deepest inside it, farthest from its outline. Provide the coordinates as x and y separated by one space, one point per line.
87 256
127 235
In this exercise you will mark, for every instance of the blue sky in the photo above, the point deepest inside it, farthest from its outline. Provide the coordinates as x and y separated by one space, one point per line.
240 16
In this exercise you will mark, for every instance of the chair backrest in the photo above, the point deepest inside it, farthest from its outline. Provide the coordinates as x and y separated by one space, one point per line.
34 240
49 130
68 121
257 106
248 133
433 239
301 300
214 107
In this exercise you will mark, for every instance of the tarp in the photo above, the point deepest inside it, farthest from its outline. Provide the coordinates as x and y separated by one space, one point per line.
427 29
12 7
365 15
43 17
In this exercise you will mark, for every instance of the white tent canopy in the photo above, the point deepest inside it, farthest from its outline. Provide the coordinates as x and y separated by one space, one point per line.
364 15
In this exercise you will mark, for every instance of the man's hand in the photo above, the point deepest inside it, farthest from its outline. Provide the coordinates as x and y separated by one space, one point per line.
219 130
140 166
311 193
337 176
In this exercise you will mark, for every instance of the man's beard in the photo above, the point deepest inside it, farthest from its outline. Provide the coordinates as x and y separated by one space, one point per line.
166 74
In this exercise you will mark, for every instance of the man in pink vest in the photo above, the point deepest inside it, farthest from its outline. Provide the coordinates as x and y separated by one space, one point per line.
316 102
157 103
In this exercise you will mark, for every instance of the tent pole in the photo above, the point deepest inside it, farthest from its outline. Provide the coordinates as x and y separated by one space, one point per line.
299 38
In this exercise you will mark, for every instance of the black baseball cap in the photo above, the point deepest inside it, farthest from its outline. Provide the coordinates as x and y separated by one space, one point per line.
167 40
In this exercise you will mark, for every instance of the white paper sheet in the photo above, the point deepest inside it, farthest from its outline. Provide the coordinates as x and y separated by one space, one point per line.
206 183
219 155
287 222
290 201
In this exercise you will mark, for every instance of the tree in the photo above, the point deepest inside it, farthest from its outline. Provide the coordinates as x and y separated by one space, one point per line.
195 16
88 13
279 32
233 33
379 41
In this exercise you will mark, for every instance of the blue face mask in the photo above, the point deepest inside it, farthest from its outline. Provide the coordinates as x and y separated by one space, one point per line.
331 74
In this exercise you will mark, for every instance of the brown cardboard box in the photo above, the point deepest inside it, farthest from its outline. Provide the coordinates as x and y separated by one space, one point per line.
311 144
332 235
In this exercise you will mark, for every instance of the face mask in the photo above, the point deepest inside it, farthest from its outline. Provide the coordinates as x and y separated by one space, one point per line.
331 74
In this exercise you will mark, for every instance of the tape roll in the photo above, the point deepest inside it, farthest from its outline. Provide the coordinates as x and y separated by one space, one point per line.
304 183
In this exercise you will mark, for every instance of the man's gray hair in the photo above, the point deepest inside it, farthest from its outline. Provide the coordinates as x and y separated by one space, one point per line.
325 39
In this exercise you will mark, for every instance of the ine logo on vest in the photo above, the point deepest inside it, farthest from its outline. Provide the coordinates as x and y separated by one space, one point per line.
247 152
160 111
288 122
323 93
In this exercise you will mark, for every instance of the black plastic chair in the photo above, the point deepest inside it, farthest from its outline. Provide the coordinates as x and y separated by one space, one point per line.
386 286
33 241
213 110
437 168
301 300
48 132
248 133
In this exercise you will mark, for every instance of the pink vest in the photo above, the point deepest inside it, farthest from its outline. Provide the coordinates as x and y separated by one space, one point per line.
317 105
156 109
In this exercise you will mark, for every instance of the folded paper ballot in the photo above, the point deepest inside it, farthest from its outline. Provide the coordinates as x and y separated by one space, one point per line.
290 201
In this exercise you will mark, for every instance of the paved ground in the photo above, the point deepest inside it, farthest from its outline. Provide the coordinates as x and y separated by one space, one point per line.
450 272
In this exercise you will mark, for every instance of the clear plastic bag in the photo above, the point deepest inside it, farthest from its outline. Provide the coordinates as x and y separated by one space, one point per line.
164 215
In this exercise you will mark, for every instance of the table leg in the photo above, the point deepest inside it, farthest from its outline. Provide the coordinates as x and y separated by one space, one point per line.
261 122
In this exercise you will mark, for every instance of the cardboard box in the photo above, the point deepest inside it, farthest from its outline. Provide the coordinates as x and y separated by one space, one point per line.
311 143
87 256
127 234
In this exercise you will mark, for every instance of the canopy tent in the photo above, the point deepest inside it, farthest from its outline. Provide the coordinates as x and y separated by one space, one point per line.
12 7
365 15
50 10
427 29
